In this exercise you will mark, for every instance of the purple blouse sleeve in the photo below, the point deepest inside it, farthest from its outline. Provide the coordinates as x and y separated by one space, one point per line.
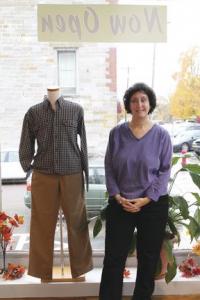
159 184
111 182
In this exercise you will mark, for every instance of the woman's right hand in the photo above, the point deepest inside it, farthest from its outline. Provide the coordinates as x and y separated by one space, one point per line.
120 199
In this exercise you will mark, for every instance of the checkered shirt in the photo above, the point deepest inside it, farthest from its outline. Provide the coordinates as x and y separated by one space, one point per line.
56 132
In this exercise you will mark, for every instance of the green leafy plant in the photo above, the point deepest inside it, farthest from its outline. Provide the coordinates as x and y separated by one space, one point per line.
179 216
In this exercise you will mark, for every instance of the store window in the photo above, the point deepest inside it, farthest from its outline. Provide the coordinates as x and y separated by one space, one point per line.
97 75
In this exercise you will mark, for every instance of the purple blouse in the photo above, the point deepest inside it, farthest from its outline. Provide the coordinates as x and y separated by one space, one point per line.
138 167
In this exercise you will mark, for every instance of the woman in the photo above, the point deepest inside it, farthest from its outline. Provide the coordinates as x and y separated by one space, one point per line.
137 165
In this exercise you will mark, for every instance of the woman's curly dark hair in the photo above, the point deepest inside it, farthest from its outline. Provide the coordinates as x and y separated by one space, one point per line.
140 87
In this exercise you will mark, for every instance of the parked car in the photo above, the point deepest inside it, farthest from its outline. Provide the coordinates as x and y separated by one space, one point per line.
184 140
11 170
196 146
95 197
175 129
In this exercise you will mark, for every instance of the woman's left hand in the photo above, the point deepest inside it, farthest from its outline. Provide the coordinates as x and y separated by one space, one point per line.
136 204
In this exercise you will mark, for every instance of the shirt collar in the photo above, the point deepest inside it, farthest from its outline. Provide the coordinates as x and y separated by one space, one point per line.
59 101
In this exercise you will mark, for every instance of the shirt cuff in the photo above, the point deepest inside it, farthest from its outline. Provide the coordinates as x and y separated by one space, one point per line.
113 192
152 195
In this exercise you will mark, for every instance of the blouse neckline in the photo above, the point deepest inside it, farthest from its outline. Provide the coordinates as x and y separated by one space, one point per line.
132 134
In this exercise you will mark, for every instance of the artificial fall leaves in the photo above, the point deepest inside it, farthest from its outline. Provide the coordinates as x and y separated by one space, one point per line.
7 224
14 272
189 267
196 248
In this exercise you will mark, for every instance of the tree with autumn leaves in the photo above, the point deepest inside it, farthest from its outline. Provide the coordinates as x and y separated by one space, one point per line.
185 101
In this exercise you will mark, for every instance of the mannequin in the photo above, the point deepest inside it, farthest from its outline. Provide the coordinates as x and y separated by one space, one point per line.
57 181
53 93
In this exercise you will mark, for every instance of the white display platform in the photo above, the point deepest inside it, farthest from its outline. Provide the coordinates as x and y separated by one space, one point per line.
32 287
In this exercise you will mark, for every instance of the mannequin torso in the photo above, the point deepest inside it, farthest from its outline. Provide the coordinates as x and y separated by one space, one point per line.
53 93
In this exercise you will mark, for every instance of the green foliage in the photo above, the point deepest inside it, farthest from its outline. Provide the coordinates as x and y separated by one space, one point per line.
171 271
175 159
103 212
97 226
181 205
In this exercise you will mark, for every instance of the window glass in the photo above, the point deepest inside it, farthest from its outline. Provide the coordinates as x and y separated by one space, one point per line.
13 156
4 156
67 71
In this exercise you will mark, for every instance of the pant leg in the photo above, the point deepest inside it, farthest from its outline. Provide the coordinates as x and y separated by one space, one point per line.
119 232
44 212
151 224
74 209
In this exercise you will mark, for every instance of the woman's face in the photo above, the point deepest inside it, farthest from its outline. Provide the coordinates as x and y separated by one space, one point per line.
139 105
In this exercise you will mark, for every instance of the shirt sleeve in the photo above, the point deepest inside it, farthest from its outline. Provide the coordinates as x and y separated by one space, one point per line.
27 144
160 183
84 152
111 182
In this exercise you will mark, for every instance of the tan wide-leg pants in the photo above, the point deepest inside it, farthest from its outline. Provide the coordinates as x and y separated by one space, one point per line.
49 192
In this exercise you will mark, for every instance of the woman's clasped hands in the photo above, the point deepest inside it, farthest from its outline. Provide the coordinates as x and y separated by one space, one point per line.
132 205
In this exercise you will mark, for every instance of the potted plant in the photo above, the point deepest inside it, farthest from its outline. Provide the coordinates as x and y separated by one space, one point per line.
179 216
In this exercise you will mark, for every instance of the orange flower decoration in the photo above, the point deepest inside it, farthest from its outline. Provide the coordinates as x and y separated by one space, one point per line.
3 216
19 219
14 271
7 225
126 273
7 237
5 230
196 248
13 222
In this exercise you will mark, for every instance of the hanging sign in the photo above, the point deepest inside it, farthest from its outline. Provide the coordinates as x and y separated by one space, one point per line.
111 23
